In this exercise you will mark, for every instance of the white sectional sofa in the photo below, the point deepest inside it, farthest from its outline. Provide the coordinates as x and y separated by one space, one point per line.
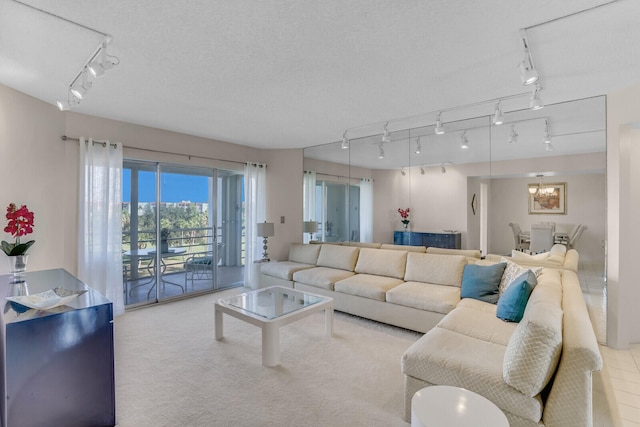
558 258
537 371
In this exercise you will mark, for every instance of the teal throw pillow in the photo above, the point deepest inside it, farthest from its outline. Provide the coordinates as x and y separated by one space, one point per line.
482 282
514 300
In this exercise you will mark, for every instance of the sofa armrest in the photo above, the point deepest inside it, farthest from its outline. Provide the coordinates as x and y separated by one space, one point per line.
571 260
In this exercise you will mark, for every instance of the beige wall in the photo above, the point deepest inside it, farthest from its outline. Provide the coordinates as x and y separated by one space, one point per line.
623 195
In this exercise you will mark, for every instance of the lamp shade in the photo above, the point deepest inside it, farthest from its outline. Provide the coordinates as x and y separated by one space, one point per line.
310 227
265 229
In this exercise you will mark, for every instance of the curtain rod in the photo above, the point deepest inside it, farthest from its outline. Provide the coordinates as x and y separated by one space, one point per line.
189 156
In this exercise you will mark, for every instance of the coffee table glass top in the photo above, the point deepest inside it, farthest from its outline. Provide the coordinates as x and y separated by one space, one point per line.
274 302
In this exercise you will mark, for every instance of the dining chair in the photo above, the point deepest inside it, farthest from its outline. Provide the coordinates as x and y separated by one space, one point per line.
541 238
518 236
200 267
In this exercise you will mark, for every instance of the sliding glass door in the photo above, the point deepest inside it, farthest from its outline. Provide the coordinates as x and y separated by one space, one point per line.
182 231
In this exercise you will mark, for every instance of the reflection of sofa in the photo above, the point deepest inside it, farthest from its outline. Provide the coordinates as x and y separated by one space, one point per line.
558 257
538 371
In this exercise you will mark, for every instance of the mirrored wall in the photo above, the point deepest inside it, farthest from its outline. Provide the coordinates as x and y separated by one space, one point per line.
472 179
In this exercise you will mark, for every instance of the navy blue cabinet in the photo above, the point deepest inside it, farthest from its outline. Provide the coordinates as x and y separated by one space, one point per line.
58 363
436 240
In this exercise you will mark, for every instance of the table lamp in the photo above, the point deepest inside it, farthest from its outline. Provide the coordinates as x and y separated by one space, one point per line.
310 227
265 229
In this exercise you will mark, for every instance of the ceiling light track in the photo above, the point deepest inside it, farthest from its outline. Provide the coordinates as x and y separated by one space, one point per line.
81 83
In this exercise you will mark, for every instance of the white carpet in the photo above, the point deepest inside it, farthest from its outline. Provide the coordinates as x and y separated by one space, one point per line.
170 371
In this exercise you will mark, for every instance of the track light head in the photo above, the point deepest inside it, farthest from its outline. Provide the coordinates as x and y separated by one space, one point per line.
97 68
498 117
386 136
439 129
63 105
547 135
535 103
345 141
421 170
380 151
548 147
418 146
513 135
402 171
528 73
464 141
80 90
443 169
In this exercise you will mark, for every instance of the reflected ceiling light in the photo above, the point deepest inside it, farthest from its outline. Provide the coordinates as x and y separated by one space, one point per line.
80 90
547 135
402 171
380 151
439 129
464 141
97 68
418 146
513 135
421 170
386 136
498 117
535 103
528 73
345 141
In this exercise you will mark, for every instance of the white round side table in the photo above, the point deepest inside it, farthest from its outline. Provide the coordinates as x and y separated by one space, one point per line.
446 406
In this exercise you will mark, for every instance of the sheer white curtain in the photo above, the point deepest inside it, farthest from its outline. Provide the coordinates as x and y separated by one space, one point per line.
100 219
309 200
366 210
255 210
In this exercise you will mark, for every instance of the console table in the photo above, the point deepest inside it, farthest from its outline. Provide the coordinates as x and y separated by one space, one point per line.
418 238
57 364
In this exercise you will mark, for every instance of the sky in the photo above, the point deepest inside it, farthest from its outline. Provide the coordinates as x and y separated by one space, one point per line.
175 187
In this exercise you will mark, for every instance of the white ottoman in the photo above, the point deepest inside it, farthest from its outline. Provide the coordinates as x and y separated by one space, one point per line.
446 406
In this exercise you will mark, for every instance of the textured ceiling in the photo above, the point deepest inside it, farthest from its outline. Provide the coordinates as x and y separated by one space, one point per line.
290 74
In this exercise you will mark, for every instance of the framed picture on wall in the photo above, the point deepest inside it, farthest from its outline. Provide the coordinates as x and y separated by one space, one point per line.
548 198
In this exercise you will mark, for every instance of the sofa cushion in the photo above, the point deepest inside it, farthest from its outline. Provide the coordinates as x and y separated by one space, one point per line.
407 248
363 244
304 254
381 262
284 269
512 271
482 282
558 249
367 285
517 255
444 357
435 269
425 296
534 349
478 320
338 256
469 253
513 301
321 277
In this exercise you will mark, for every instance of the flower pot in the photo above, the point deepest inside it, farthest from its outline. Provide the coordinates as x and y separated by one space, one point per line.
18 266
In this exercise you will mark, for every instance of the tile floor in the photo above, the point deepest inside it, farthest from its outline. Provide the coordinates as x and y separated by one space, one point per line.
622 367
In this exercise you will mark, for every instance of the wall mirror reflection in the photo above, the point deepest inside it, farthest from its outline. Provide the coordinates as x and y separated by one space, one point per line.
473 180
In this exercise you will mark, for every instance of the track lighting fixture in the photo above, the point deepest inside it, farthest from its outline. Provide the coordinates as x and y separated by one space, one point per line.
386 136
80 90
345 141
464 141
548 147
535 103
439 129
513 135
380 151
547 135
402 171
528 73
418 146
498 118
421 170
106 62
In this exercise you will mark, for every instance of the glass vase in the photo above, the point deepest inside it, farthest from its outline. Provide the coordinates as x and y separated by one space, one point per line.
18 267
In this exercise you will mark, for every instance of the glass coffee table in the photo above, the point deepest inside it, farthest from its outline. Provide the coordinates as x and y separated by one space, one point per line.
270 308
